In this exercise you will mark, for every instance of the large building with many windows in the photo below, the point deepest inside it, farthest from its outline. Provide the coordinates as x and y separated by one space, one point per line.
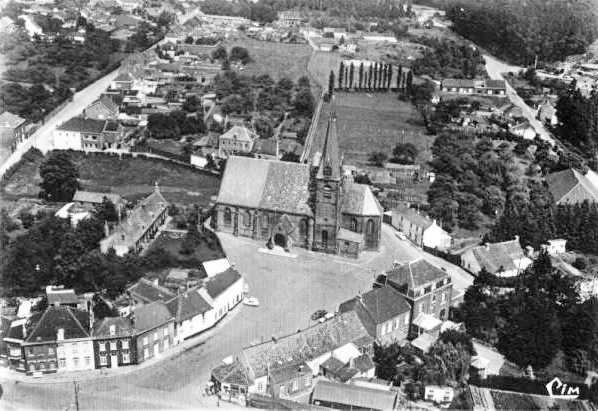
306 205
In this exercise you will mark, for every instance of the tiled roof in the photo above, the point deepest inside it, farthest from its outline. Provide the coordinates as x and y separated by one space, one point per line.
221 282
233 373
305 345
266 184
151 315
124 76
15 329
239 133
188 305
74 322
330 156
354 396
62 297
414 217
493 256
83 125
9 120
95 198
287 372
358 199
332 364
381 304
458 83
107 102
147 291
138 221
123 327
563 182
415 274
363 363
495 84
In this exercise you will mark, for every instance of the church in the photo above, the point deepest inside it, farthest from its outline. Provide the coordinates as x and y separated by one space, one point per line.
313 206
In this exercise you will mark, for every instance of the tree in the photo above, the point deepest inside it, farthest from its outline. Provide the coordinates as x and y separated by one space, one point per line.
59 177
351 75
331 84
106 211
188 40
101 309
191 241
361 75
341 75
303 82
27 219
220 53
241 54
285 84
370 74
375 73
404 153
386 358
455 337
378 158
304 102
409 83
389 76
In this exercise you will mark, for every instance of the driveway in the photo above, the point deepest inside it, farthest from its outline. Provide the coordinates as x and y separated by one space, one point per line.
495 68
289 290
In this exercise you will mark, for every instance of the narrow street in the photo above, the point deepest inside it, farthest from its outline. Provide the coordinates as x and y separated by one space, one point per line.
495 68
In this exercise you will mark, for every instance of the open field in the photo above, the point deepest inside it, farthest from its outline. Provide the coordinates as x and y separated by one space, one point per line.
276 59
132 178
373 122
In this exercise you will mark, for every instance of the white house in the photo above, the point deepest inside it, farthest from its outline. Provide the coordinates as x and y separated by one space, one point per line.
524 130
192 312
224 291
505 259
420 229
73 213
438 394
557 246
198 161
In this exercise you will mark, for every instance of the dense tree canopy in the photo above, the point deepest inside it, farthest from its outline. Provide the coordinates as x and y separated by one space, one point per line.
59 177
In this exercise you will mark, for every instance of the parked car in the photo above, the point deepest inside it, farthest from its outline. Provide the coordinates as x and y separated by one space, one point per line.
318 314
401 236
252 301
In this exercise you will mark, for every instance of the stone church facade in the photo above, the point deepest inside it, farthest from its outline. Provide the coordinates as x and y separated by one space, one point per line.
299 205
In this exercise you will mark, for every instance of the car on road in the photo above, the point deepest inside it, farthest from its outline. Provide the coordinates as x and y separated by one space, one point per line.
400 235
251 301
318 314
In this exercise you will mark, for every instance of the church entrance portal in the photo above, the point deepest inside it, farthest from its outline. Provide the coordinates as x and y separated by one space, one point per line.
280 240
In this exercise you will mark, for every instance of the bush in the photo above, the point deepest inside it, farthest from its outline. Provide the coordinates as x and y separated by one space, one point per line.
580 263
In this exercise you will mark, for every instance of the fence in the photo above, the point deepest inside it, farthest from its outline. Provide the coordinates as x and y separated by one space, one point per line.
451 258
146 148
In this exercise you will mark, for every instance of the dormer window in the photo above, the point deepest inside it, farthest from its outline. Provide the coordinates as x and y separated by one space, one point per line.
112 330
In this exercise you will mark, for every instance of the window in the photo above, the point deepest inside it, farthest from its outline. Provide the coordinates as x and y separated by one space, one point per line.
145 352
327 171
166 344
51 350
156 336
295 384
87 361
32 367
227 216
327 192
439 283
74 348
102 346
354 224
62 363
126 358
325 238
112 345
407 320
246 218
51 365
433 298
103 359
307 380
76 362
124 344
260 387
302 228
443 298
145 341
428 290
165 332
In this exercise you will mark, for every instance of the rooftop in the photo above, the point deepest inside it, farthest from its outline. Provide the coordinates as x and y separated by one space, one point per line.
9 120
95 198
415 274
83 125
150 316
571 182
377 306
358 199
188 305
414 217
493 256
148 292
219 283
123 327
239 133
43 327
354 396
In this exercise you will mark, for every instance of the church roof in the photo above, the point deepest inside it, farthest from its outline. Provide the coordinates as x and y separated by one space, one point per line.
330 153
266 184
358 199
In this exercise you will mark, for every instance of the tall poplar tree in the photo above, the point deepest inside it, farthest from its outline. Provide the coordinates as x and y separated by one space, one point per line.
331 84
361 75
351 75
341 75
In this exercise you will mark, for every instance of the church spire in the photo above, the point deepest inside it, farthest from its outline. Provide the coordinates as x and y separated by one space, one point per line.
330 163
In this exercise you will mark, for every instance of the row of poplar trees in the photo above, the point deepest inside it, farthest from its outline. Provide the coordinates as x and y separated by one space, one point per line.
378 76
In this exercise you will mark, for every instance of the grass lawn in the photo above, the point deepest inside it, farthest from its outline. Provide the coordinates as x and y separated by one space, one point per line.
373 122
276 59
320 65
208 249
132 178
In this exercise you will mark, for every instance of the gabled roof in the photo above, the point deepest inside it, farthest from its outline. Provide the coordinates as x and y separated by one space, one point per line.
564 182
9 120
95 198
414 217
305 345
83 125
150 316
266 184
358 199
62 297
330 153
458 83
107 102
123 327
124 77
44 327
221 282
493 256
495 84
188 305
239 133
415 274
354 396
380 304
148 292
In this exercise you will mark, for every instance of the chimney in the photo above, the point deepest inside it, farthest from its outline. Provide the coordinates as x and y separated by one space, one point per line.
487 246
517 238
60 334
106 229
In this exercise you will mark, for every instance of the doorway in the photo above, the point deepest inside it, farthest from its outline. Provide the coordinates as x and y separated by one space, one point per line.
280 240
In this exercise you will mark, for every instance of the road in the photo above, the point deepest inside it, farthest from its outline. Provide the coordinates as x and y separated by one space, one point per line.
289 290
495 68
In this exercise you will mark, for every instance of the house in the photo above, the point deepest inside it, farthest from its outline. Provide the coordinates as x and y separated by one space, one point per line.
124 81
272 201
524 130
403 172
145 291
427 289
510 111
13 130
154 328
56 340
547 114
347 362
439 394
289 18
79 133
348 396
556 246
466 86
326 45
504 259
572 187
114 342
140 226
312 346
383 312
192 314
102 109
223 292
287 381
60 296
236 140
74 213
93 199
420 229
500 400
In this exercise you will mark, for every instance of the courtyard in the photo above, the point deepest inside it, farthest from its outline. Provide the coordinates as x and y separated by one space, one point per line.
289 290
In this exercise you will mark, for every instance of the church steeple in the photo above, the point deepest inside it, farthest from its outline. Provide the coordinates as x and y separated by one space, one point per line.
330 162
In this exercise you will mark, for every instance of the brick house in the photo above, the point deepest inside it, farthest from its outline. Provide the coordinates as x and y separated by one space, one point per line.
154 327
236 140
12 130
383 312
427 289
114 342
